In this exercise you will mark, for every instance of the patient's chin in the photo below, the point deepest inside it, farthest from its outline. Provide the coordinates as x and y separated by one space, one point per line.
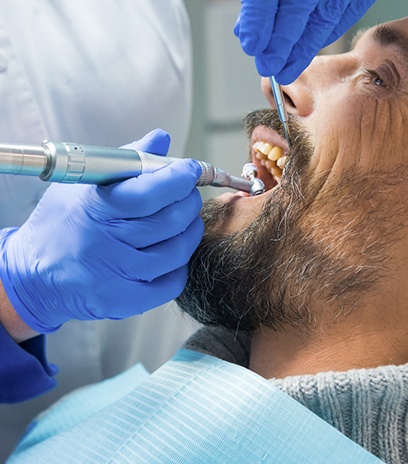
230 275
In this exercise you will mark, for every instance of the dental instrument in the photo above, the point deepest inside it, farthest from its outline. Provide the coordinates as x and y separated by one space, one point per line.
280 106
250 171
88 164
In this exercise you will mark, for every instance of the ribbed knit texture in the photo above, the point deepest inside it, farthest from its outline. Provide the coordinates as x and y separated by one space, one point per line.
368 405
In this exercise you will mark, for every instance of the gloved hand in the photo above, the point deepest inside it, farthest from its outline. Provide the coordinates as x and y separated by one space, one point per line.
285 35
94 252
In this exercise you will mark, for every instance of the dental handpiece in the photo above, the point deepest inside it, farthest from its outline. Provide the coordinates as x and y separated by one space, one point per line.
87 164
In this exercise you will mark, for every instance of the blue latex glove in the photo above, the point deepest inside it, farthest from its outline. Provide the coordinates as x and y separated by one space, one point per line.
285 35
94 252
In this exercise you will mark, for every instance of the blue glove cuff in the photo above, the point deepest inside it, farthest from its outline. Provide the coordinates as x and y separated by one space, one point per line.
10 280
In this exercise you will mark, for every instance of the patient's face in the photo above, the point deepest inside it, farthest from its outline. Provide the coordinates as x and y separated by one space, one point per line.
354 105
328 229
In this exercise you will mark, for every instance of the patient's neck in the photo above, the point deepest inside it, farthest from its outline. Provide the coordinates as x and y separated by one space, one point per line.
373 335
374 332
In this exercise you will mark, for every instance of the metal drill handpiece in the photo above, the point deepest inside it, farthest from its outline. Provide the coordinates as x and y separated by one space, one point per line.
280 106
220 178
76 163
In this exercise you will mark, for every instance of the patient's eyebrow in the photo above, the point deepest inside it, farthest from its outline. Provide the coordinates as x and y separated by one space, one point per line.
385 35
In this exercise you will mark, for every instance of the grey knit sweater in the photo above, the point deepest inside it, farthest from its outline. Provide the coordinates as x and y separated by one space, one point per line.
370 406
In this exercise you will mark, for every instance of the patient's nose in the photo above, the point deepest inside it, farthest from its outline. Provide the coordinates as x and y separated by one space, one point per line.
298 96
323 73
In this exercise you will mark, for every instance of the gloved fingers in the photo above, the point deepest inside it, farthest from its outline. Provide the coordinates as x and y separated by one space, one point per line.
291 21
57 197
355 11
161 258
132 297
145 195
321 23
255 23
109 277
157 142
163 225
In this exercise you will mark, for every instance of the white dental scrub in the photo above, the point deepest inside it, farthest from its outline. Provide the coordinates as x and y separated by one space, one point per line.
103 73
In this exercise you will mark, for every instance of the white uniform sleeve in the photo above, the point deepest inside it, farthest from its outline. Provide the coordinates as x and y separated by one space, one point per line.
103 73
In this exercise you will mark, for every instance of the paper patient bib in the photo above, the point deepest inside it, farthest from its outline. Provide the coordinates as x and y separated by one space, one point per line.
195 409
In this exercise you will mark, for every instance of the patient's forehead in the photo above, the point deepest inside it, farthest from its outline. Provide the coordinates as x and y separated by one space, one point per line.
400 23
385 33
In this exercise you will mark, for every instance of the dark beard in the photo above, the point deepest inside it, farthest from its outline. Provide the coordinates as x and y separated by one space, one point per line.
269 273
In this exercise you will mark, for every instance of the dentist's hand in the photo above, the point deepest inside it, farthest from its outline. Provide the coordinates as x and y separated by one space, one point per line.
93 252
285 35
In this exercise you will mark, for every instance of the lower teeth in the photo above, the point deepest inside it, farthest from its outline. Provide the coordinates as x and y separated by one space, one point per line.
274 167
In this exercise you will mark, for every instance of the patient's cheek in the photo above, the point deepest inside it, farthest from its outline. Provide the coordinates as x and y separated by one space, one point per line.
342 133
244 211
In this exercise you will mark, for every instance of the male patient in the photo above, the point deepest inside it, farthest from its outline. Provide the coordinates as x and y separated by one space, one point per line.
315 269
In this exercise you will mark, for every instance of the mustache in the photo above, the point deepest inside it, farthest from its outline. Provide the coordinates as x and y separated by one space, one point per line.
269 118
263 117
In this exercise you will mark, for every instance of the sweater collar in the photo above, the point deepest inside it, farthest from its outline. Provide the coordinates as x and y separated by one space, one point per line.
368 405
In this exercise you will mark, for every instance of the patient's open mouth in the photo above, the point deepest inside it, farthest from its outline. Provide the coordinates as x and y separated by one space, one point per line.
270 154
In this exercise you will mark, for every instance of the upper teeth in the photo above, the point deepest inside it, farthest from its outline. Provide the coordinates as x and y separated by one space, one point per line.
281 162
271 156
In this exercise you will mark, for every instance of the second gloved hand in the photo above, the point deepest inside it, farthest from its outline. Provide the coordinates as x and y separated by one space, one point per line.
285 35
94 252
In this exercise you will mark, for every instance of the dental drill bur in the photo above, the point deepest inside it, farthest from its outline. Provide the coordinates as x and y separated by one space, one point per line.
220 178
280 106
250 172
88 164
